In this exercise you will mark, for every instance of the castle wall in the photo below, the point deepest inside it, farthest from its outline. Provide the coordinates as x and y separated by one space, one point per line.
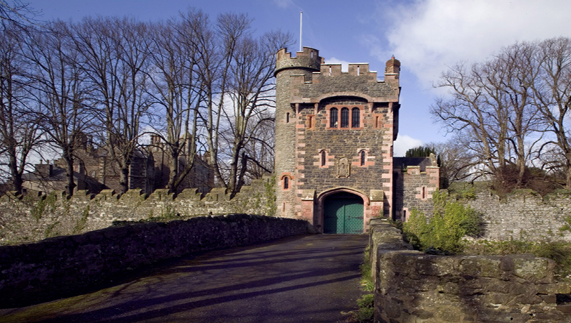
287 135
411 286
308 90
414 189
33 218
525 215
339 144
64 266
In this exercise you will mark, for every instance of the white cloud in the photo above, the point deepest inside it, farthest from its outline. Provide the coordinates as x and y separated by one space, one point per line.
283 3
344 64
404 143
430 35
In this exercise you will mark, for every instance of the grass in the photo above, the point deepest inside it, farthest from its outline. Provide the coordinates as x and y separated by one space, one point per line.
365 311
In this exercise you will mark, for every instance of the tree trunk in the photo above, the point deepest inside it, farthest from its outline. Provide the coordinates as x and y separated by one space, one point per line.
70 182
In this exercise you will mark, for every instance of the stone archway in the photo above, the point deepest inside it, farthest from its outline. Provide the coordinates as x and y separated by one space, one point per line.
342 210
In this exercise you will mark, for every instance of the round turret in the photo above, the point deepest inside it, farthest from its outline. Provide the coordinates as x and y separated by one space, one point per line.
308 59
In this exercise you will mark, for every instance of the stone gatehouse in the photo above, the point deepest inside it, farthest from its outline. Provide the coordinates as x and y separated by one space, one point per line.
334 145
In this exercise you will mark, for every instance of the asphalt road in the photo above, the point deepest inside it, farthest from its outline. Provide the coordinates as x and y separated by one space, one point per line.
313 278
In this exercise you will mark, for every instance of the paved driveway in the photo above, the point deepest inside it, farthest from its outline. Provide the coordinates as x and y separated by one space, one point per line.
310 278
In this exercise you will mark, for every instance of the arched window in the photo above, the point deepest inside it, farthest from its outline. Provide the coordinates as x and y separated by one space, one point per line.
333 117
323 158
286 183
344 118
362 157
355 122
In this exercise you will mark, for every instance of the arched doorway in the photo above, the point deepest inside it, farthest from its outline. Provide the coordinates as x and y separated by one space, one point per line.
343 213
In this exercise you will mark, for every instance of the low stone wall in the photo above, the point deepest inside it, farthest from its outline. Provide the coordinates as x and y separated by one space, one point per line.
64 265
34 218
524 215
411 286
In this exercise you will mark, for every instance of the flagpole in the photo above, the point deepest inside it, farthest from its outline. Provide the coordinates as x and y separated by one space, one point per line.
300 30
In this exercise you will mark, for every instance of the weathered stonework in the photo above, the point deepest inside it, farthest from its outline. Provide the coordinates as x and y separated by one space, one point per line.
411 286
33 218
63 266
320 148
524 215
416 179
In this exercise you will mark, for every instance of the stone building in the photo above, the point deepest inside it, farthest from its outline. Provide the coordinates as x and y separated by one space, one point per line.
334 145
94 170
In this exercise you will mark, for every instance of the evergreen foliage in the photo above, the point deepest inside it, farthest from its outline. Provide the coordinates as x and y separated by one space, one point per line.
443 232
421 151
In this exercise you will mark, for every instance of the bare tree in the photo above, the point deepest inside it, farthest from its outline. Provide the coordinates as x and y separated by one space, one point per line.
19 130
175 89
15 14
59 91
215 49
455 161
552 95
250 93
491 108
115 55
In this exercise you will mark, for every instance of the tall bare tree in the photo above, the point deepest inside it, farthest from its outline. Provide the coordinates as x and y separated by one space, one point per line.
59 91
115 55
552 95
491 105
19 128
250 92
176 90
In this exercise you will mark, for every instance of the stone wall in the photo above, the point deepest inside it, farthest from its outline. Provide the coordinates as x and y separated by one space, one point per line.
411 286
33 218
66 265
414 186
524 215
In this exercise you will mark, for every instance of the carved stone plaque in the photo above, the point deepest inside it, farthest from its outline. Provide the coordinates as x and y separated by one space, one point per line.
343 167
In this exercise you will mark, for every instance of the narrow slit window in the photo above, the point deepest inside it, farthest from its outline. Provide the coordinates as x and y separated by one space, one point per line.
423 192
286 183
363 157
344 118
323 158
287 117
333 117
355 122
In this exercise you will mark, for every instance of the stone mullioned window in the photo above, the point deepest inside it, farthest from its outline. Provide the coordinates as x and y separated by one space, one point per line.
345 117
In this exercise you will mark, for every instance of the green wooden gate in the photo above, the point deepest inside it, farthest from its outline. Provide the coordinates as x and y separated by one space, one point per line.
343 214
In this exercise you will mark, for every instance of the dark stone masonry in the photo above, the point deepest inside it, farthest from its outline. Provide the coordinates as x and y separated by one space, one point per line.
65 265
411 286
334 145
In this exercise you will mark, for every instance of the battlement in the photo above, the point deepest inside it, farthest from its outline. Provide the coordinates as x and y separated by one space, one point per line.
307 59
355 69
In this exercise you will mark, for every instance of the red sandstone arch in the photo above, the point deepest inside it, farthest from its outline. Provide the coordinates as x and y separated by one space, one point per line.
319 206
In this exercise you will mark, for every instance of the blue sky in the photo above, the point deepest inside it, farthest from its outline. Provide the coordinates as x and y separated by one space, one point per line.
427 36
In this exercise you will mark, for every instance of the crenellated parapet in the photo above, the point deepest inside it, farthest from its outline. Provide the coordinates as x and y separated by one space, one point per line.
358 81
307 59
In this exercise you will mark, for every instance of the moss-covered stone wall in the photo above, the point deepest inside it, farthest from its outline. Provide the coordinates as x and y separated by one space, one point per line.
411 286
33 218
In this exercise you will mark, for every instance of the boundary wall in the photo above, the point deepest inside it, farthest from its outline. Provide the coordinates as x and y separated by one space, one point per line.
66 265
411 286
36 217
525 215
